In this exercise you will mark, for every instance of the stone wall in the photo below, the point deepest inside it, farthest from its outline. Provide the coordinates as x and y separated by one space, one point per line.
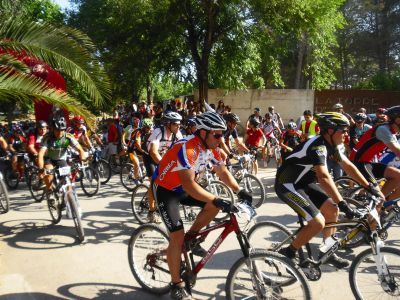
289 103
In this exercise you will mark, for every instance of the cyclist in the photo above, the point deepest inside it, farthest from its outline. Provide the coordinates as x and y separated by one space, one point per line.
35 139
190 127
358 129
296 183
17 144
371 144
269 128
174 184
127 141
54 149
79 131
276 117
231 122
157 144
289 140
254 138
256 115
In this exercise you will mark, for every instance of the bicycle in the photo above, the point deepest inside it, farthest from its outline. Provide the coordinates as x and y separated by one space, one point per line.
247 181
64 196
257 274
370 266
127 176
101 165
87 176
4 199
140 205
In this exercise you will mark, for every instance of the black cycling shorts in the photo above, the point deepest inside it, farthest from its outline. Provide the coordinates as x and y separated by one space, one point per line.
371 171
55 162
305 200
149 165
168 206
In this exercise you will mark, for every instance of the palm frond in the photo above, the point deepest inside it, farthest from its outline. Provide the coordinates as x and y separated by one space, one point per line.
8 62
26 88
65 49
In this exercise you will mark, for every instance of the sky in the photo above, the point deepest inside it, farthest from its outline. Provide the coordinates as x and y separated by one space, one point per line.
63 3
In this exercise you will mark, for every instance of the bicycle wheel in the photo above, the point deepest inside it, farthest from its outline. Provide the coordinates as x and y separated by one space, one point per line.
11 179
104 169
76 216
269 235
55 205
366 283
114 164
148 260
346 185
90 182
222 191
254 186
260 275
140 203
35 187
127 177
277 151
4 199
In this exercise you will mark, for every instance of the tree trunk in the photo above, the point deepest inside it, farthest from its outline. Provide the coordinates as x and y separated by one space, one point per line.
149 90
300 58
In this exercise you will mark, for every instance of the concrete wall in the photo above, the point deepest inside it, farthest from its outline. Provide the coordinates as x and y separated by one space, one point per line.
289 103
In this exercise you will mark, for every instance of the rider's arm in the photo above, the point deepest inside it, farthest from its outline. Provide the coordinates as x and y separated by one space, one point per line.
86 140
153 151
394 147
40 161
82 155
326 182
226 177
224 147
241 146
353 172
3 144
192 188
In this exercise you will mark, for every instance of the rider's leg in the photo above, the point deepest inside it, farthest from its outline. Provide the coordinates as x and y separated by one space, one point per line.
174 253
312 228
135 162
330 212
391 188
48 179
14 163
204 218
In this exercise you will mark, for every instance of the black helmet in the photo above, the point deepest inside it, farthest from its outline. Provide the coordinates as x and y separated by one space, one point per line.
255 122
360 117
292 125
41 124
59 123
231 117
332 120
210 121
393 113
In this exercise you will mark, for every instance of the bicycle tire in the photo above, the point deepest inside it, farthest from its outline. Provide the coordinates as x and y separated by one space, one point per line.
89 181
4 199
126 177
104 169
346 185
369 281
72 200
140 203
115 167
222 191
11 179
254 186
147 258
268 235
263 279
55 208
34 183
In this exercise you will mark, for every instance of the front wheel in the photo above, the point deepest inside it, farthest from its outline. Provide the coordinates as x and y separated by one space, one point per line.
35 187
11 178
147 254
254 186
4 199
140 203
104 169
55 205
76 215
90 181
260 276
127 176
365 280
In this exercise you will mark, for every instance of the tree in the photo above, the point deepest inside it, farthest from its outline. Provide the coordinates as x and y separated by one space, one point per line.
64 49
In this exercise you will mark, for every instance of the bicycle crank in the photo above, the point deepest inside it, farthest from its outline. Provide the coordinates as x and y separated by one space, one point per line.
311 270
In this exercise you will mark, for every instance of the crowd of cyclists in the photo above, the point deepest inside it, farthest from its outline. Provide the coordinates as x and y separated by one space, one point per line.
174 143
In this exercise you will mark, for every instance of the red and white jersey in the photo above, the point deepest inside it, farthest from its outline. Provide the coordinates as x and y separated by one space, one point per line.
186 154
159 137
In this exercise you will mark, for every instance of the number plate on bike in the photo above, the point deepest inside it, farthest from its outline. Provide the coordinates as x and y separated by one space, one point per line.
64 171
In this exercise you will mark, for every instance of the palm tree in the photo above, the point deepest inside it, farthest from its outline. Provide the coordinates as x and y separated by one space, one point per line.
66 50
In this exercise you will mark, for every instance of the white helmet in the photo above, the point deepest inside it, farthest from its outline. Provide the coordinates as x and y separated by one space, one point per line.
210 121
337 105
172 116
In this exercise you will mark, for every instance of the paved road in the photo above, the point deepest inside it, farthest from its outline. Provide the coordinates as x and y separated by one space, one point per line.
41 261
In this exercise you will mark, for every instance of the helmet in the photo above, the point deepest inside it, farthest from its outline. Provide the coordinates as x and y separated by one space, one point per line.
41 124
381 110
393 113
231 117
268 115
271 108
255 122
77 120
360 117
337 105
210 121
257 109
147 123
191 122
59 123
332 120
292 125
172 116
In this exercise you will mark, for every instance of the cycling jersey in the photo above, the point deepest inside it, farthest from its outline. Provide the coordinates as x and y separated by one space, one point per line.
372 143
356 133
186 154
268 130
77 133
230 132
36 140
18 142
253 137
158 137
57 148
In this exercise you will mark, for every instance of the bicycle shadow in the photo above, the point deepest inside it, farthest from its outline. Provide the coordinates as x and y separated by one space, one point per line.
27 296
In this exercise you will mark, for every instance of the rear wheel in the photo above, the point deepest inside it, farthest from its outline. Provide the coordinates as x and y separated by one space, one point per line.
269 235
346 185
222 191
104 169
127 176
254 186
89 180
147 254
140 203
4 200
11 178
35 187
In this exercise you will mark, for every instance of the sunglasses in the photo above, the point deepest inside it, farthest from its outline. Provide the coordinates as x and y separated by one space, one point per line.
217 135
343 130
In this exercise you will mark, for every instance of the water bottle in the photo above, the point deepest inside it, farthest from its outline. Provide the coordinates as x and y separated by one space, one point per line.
328 243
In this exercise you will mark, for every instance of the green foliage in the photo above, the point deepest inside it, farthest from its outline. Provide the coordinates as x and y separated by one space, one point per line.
382 81
169 87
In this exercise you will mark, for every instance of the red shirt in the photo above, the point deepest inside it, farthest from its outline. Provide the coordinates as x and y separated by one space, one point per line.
254 137
112 133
